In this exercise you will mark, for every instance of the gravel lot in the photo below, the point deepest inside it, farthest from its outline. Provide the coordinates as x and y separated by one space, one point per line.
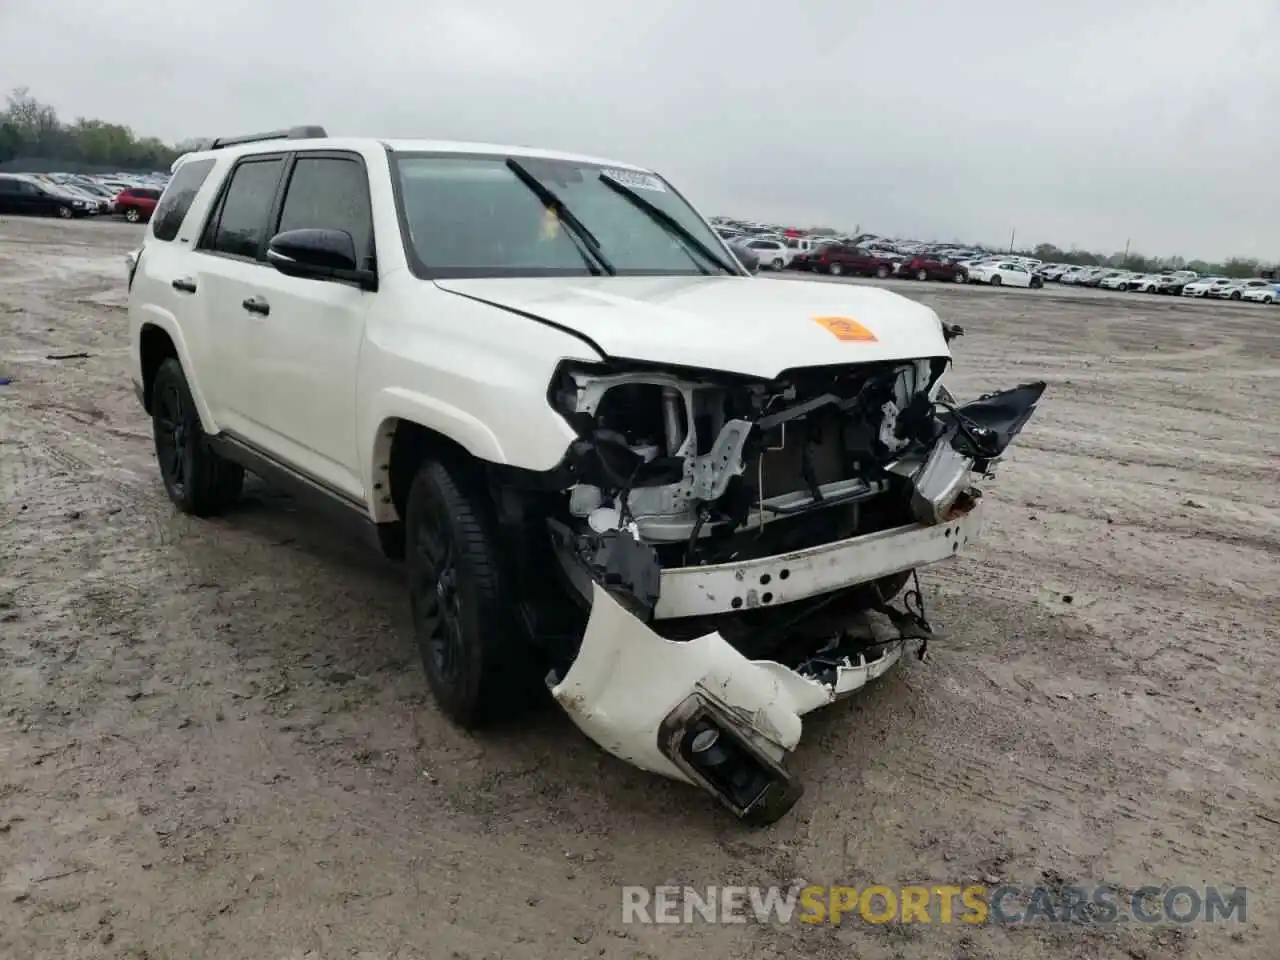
215 739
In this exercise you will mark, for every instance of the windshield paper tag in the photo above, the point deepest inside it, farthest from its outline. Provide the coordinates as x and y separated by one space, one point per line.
846 328
636 180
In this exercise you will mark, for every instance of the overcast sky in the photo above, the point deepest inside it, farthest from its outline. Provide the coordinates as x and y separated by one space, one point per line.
1084 123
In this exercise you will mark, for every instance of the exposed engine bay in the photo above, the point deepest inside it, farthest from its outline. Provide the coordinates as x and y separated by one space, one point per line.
705 468
688 461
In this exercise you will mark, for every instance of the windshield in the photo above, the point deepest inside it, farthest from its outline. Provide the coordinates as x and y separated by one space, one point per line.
473 216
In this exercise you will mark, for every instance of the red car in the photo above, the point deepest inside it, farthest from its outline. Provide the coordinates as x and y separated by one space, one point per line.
837 260
927 268
137 203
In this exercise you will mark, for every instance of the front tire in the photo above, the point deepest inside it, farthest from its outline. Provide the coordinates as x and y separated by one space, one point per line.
995 280
882 272
777 264
835 270
197 480
65 213
463 618
1036 283
132 215
922 274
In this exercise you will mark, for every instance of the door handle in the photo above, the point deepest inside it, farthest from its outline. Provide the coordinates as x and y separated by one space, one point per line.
185 284
257 305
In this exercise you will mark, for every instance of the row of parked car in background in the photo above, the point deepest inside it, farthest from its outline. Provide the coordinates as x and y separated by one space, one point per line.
1185 283
68 195
764 247
868 255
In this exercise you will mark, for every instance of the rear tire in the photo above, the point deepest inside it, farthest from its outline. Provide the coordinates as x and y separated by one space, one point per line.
922 274
882 272
835 269
1036 283
777 264
464 620
197 480
132 215
995 280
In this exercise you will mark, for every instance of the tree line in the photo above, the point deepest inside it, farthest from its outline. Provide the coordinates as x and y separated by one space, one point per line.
32 130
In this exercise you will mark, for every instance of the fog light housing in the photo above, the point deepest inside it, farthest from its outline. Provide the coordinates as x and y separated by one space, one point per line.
702 739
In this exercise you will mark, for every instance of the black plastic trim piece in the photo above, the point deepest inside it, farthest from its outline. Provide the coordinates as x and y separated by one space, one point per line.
312 493
312 132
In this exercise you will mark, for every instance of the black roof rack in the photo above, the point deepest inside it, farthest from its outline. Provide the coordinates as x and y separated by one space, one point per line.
292 133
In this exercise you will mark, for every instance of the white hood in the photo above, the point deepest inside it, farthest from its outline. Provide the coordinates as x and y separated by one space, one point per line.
751 326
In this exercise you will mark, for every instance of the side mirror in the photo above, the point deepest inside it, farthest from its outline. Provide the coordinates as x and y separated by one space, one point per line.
319 255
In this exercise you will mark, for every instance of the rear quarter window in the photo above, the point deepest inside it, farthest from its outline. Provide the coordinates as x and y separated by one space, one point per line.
177 198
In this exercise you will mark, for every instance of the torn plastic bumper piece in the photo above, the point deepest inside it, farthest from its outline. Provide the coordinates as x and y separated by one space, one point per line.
698 710
973 437
983 429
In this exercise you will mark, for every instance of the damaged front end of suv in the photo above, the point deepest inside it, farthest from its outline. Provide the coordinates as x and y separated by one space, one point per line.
738 542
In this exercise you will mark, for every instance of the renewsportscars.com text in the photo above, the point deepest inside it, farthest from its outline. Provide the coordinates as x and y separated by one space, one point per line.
936 904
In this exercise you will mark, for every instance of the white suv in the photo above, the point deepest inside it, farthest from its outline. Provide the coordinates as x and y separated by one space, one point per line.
612 460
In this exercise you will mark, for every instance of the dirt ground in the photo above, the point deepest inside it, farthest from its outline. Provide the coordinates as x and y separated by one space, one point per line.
215 739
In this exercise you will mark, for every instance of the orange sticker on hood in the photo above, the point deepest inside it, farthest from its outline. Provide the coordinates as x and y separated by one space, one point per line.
846 328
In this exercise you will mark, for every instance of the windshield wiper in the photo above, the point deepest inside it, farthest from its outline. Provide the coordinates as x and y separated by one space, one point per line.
667 220
582 237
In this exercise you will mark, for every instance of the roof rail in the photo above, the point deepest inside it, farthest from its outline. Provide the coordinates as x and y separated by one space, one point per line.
292 133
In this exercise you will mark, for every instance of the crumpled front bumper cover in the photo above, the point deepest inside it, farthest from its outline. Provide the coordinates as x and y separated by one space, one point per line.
642 696
636 693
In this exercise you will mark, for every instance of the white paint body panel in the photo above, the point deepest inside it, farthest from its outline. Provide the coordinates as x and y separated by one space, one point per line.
747 325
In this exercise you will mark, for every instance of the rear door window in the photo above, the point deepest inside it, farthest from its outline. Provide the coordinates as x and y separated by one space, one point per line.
238 226
178 197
